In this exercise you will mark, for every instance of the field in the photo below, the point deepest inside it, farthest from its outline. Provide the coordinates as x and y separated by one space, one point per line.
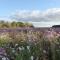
30 44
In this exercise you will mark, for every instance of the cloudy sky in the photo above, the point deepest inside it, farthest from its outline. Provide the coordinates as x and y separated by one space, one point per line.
42 13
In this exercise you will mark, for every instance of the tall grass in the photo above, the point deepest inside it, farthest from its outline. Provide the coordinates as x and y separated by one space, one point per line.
32 47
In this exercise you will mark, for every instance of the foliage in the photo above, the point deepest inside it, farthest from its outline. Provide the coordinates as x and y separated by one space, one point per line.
14 24
30 45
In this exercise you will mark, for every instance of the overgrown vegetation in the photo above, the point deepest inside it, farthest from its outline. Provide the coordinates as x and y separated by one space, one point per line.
27 44
30 45
14 24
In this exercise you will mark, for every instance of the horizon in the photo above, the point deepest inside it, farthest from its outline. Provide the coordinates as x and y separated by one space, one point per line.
45 13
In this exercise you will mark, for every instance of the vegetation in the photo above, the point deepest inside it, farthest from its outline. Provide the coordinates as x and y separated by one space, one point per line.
30 45
14 24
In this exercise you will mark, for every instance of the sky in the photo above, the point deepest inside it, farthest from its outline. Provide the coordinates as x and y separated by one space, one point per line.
41 13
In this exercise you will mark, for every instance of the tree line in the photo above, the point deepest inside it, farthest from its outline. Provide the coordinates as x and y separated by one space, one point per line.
14 24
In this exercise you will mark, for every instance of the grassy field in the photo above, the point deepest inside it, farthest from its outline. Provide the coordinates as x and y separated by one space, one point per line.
29 45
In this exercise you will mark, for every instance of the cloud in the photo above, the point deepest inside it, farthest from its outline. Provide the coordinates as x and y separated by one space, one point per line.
45 24
6 19
37 15
39 18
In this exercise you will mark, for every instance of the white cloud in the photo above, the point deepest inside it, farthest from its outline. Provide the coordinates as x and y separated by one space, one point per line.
43 24
48 17
37 16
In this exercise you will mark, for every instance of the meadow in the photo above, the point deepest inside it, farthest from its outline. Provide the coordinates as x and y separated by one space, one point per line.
29 44
23 41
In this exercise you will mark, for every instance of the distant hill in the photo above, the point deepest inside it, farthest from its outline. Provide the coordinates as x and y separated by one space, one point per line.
56 26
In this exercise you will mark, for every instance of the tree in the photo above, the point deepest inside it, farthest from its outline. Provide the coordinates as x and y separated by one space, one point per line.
28 24
13 24
20 24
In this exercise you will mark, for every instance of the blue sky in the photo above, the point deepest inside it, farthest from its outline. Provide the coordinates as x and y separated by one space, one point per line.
8 7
